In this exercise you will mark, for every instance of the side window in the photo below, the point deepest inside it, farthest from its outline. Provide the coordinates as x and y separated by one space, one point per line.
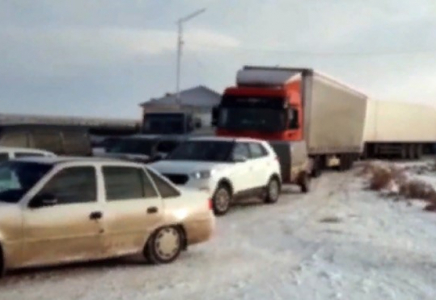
126 183
28 154
257 150
73 185
165 189
241 150
4 157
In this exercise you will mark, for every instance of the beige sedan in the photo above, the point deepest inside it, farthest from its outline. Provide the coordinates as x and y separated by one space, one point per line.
60 210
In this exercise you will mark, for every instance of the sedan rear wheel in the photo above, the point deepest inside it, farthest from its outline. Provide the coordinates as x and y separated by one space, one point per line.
164 246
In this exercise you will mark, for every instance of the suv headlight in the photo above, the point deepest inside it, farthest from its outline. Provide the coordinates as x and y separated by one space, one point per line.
202 174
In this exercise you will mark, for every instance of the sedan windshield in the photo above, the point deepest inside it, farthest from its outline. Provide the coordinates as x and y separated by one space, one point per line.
213 151
17 178
132 146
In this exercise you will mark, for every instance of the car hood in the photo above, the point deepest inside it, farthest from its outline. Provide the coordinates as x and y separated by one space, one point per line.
186 167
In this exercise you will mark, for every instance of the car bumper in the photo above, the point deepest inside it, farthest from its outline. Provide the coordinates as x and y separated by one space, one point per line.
198 231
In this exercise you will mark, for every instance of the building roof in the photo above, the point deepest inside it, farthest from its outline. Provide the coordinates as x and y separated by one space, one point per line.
199 96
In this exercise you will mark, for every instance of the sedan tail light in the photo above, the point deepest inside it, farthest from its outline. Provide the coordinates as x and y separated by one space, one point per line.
210 204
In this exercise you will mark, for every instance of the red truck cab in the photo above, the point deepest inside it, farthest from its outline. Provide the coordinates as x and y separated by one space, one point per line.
268 113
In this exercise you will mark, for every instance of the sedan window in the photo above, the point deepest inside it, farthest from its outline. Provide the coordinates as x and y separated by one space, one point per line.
28 154
124 183
73 185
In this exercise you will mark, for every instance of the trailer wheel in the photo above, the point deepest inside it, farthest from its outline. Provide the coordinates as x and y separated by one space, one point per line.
410 151
418 151
304 182
316 167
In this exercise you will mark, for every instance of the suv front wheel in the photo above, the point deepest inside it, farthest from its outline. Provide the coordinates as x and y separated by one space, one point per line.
221 200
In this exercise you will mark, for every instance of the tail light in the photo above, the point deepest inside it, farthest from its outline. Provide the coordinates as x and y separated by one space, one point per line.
209 202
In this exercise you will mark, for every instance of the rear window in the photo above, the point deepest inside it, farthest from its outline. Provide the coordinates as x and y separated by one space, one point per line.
28 154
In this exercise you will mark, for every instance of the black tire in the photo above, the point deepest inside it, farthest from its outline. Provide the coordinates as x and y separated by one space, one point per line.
154 254
272 192
221 200
316 168
344 163
304 183
418 151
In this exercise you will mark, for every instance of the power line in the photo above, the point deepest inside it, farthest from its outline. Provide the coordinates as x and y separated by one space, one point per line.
313 53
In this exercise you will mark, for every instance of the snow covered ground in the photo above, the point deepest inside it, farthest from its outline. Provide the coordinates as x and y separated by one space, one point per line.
338 242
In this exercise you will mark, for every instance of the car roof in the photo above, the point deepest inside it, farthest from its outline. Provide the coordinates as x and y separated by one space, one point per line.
22 149
224 139
72 159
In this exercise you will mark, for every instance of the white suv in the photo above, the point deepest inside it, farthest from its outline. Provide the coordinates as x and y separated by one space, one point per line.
227 168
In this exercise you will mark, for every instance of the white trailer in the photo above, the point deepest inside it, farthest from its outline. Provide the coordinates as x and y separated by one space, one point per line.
401 129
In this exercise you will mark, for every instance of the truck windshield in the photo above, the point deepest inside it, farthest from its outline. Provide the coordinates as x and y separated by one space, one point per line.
252 118
213 151
133 146
17 178
161 123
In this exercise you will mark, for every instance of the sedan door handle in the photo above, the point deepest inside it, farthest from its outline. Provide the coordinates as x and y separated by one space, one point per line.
96 215
152 210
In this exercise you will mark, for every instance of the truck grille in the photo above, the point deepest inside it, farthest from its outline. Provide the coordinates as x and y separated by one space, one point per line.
177 178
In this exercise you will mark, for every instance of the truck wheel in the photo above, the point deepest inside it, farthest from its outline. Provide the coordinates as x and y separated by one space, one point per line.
272 191
403 152
221 200
316 167
418 152
164 246
304 182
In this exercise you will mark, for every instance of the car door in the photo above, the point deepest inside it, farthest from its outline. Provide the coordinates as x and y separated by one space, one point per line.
241 176
133 209
259 164
70 229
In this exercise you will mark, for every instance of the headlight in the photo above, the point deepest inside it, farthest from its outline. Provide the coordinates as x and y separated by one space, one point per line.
202 174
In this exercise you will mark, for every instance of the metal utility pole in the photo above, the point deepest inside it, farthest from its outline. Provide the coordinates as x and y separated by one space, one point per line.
180 46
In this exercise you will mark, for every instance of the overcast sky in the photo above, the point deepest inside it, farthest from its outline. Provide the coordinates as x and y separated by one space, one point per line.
103 57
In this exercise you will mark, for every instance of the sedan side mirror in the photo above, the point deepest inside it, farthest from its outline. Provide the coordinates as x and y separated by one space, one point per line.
44 199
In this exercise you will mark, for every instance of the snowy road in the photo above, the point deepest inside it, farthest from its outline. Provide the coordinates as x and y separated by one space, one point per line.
338 242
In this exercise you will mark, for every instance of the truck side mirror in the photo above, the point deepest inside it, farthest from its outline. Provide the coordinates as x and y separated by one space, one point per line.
215 115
